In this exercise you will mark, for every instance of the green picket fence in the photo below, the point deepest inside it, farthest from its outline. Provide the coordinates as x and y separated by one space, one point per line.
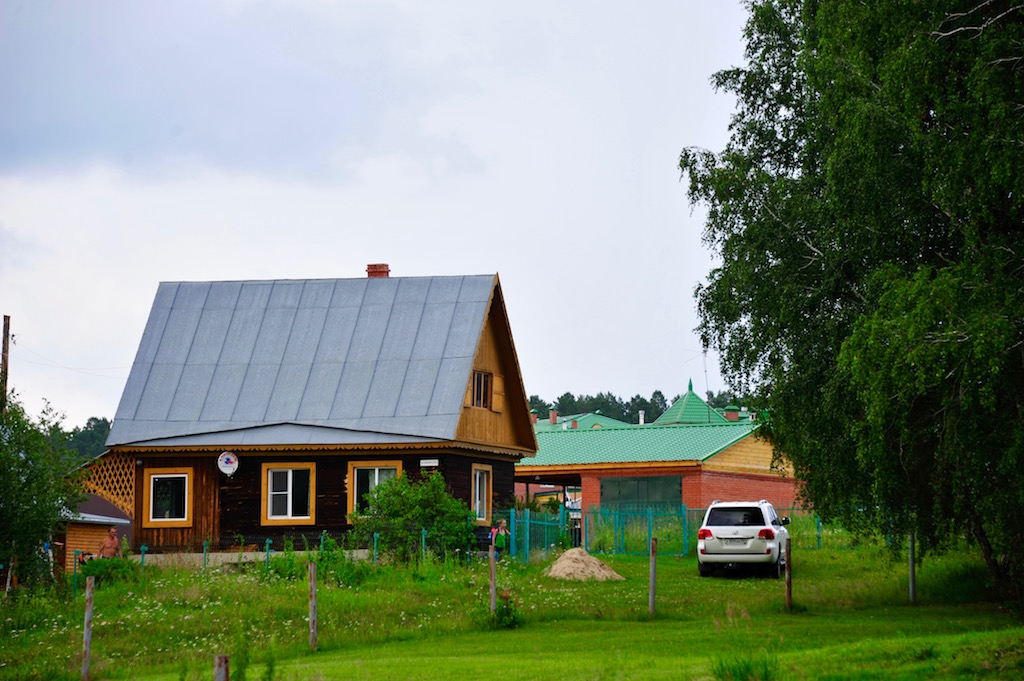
628 530
533 535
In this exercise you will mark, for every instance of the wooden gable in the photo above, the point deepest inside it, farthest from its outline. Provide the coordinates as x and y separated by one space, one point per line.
750 455
504 423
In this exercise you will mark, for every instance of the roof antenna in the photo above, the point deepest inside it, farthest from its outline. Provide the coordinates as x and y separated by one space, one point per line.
707 392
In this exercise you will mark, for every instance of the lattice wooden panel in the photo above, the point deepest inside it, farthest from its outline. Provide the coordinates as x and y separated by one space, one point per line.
112 477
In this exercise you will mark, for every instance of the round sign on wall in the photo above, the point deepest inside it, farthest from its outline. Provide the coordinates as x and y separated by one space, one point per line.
227 462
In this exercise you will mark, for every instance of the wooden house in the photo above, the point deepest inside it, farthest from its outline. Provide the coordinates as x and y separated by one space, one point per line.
259 409
690 455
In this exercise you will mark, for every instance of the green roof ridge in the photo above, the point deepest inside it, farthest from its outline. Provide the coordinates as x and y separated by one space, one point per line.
690 409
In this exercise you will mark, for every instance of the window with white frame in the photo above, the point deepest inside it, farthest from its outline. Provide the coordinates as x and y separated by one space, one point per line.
288 494
167 497
365 476
482 492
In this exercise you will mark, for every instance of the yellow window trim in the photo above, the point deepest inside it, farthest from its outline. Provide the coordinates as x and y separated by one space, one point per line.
486 520
350 479
147 484
265 469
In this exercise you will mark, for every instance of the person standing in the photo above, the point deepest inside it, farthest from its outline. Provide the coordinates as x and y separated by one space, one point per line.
111 546
499 537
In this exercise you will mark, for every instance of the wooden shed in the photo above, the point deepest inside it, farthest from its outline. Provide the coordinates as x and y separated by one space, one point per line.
84 533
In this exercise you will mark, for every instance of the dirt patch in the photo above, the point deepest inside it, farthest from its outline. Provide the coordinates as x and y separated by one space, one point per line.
580 565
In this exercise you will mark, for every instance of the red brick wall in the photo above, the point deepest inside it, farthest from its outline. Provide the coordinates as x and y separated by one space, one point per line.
591 491
700 488
781 492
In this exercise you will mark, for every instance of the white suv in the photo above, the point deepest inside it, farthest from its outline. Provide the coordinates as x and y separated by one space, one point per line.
742 532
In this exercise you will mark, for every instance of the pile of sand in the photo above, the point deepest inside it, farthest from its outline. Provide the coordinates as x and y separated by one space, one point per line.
578 564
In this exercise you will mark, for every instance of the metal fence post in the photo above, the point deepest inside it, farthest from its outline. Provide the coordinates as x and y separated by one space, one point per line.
526 543
650 525
74 576
142 560
653 577
686 530
376 535
269 541
513 523
206 548
312 605
423 544
818 518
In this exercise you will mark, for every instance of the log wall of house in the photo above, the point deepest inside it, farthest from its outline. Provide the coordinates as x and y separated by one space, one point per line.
458 474
227 510
205 499
241 497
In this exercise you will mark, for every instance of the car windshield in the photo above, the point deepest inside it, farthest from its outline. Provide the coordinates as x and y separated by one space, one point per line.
736 516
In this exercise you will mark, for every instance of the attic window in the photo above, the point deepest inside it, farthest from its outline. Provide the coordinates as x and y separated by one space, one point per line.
482 385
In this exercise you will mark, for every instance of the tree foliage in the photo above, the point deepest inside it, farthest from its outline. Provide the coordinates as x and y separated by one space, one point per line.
38 484
91 440
399 510
608 404
868 213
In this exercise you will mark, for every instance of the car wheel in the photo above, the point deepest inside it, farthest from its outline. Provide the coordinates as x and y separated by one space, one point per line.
704 570
776 569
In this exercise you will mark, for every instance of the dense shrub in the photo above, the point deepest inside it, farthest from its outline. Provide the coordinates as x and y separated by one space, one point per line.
398 511
111 570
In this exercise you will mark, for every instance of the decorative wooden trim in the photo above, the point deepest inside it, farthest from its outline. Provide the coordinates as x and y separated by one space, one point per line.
265 469
497 393
523 471
112 477
350 479
148 521
306 449
486 520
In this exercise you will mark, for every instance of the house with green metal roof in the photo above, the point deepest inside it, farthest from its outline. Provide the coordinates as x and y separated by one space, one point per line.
589 421
690 455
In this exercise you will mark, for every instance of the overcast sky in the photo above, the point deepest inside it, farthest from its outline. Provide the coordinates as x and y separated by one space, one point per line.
143 142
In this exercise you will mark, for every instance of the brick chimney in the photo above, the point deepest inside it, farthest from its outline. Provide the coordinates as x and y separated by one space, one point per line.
732 413
533 416
378 270
575 424
553 417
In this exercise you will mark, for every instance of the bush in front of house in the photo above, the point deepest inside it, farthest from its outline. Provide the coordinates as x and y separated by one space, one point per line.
399 510
111 570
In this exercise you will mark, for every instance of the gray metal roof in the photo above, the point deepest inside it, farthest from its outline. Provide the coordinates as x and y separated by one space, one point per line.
319 361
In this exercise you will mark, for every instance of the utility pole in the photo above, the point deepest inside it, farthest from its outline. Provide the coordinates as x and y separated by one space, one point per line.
3 365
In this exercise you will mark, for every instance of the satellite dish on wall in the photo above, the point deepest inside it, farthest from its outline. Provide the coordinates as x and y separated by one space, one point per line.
227 462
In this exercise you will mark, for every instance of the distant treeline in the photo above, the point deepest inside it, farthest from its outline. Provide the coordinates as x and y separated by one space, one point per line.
615 407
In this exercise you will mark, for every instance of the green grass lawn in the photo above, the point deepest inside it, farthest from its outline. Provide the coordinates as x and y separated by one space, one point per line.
851 620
